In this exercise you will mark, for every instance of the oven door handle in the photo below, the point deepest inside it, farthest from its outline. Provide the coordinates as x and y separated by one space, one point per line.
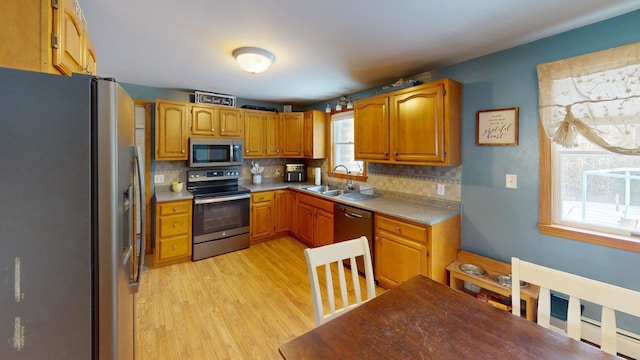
221 199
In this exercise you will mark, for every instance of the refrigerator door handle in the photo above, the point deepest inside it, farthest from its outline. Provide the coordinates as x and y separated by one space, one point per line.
135 281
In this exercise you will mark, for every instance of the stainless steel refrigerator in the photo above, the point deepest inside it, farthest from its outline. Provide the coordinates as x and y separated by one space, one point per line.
70 182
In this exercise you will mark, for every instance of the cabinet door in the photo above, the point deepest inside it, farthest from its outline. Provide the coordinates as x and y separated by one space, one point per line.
272 132
68 28
231 123
254 137
204 120
261 220
282 204
398 259
323 228
305 223
417 125
171 130
294 205
291 134
371 128
90 57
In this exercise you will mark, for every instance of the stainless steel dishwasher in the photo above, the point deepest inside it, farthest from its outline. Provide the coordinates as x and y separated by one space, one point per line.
350 223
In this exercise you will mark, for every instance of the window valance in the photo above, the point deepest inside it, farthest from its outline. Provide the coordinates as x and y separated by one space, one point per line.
596 95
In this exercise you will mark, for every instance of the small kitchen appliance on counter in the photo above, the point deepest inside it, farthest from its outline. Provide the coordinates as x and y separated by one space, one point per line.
295 173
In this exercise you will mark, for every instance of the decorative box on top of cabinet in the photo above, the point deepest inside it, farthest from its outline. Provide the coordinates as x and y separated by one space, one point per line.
404 249
416 125
46 36
173 232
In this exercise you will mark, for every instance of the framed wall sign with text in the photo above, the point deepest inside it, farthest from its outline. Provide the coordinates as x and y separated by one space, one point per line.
497 127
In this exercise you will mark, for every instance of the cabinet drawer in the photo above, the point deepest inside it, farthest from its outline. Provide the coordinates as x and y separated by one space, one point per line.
316 202
170 248
174 207
414 232
174 225
262 196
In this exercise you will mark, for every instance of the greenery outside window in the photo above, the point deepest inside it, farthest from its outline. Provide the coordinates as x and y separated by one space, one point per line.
342 147
589 163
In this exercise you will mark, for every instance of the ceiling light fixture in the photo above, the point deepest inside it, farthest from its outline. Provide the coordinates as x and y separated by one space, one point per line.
253 59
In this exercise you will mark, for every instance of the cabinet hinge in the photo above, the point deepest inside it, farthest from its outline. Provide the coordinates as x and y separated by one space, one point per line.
54 4
444 92
54 40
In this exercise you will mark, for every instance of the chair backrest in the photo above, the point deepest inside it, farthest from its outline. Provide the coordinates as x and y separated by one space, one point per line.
336 253
612 298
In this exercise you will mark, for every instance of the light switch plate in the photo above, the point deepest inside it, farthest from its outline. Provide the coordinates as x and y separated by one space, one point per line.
511 181
158 179
440 189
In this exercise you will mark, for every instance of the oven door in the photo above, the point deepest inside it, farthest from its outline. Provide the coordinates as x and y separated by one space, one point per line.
220 217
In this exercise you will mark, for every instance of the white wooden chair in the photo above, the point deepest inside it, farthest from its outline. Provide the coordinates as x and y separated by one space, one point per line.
612 298
336 253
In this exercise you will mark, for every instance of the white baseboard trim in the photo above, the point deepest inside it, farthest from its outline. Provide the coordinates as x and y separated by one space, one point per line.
628 342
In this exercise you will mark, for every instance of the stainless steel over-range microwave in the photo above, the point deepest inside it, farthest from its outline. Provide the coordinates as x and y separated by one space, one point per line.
205 152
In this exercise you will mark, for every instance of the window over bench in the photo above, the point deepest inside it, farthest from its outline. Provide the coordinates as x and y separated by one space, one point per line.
590 147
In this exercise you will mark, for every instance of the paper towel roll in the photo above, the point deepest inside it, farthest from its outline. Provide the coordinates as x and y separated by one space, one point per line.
317 175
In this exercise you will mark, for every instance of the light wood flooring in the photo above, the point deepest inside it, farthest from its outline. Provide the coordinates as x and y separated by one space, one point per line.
241 305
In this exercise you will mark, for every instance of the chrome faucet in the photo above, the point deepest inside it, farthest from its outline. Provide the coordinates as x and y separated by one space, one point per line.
349 183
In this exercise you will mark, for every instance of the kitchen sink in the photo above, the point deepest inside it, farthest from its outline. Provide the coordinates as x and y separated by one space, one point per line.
322 188
356 195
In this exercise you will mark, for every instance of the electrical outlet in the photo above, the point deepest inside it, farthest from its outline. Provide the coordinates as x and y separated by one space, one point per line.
440 189
511 181
158 179
278 172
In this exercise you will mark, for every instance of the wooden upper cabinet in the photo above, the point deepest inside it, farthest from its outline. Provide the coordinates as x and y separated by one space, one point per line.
254 135
90 58
231 122
417 125
68 35
47 36
371 126
272 134
417 134
204 120
172 130
314 135
291 134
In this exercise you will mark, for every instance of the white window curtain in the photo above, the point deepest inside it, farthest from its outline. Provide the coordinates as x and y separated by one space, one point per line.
596 95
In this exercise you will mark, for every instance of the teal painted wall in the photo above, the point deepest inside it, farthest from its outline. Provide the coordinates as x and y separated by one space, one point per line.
500 223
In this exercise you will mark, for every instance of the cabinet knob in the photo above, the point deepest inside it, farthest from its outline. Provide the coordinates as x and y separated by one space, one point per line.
222 130
278 150
395 153
174 247
398 228
175 225
182 151
213 130
247 150
175 209
386 153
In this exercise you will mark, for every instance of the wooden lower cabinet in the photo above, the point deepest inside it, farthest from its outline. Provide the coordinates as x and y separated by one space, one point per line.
315 220
404 249
269 214
173 232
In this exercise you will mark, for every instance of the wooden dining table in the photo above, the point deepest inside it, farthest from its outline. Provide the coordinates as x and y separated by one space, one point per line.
423 319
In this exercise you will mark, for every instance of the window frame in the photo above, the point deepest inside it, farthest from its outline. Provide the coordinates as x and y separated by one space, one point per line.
546 223
340 173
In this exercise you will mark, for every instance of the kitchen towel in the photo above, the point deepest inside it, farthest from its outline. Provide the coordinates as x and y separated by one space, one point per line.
317 175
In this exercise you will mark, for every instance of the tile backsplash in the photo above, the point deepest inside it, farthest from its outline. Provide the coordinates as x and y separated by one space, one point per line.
414 180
